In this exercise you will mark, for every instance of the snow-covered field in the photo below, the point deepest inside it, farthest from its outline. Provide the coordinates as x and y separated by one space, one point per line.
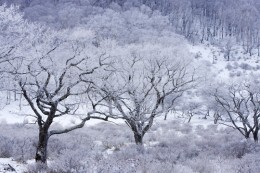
170 146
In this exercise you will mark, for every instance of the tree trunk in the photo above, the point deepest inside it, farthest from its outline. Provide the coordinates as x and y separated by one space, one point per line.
247 135
137 130
166 114
255 135
20 102
258 50
41 152
228 56
138 138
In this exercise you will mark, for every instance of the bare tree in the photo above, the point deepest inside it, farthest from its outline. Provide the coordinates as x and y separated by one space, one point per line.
228 48
137 91
241 103
50 84
191 109
16 38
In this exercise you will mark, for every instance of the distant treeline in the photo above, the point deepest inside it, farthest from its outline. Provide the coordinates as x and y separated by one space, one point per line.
197 20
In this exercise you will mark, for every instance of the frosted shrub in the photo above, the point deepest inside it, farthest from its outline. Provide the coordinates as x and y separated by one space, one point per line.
248 164
174 147
5 147
174 125
56 146
198 55
185 128
257 67
37 168
70 162
202 165
166 154
110 133
245 66
239 73
177 151
237 149
182 169
229 67
16 142
24 149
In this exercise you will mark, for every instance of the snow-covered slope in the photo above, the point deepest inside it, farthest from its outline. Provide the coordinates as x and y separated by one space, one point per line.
213 57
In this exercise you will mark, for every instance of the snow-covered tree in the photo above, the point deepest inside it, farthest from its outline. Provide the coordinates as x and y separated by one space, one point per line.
241 103
52 70
15 36
13 33
51 84
143 80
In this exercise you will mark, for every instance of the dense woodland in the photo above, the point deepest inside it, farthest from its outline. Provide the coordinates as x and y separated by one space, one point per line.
218 22
131 61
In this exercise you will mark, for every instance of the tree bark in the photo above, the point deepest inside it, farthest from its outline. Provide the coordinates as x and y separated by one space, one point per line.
137 130
138 138
41 152
166 115
247 135
255 135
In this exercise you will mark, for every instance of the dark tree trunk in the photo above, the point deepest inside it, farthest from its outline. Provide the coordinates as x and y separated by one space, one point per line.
166 114
247 135
138 138
136 129
255 135
41 152
228 56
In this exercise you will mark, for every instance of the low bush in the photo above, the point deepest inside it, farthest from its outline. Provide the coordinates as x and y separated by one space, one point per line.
174 147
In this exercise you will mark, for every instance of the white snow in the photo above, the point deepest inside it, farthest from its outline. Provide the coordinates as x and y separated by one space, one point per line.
7 165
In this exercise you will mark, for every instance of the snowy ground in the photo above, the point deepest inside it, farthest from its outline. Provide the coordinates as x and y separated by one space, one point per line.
7 165
11 114
111 148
